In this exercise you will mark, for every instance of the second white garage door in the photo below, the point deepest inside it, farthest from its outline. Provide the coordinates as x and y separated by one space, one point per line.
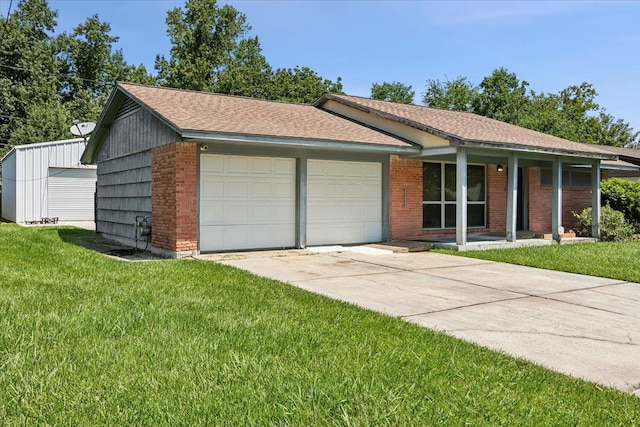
344 202
246 202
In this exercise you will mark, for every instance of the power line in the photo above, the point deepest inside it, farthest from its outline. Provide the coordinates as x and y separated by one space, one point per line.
9 10
13 67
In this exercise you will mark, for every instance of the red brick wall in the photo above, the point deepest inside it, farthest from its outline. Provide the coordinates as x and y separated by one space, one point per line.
174 197
405 216
573 199
496 199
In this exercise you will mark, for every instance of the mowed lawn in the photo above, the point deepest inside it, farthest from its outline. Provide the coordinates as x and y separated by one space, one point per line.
614 260
89 340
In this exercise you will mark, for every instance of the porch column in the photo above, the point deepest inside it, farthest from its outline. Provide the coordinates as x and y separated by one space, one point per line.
461 196
512 197
556 199
595 199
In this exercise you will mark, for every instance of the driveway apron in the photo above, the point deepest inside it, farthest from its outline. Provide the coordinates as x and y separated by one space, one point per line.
583 326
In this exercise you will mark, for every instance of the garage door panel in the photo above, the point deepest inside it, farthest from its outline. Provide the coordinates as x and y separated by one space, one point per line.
256 207
212 163
70 194
344 202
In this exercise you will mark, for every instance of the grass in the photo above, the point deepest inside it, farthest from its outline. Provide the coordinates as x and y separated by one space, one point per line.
615 260
88 340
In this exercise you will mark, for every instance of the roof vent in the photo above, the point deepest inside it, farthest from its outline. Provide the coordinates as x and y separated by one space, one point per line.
129 106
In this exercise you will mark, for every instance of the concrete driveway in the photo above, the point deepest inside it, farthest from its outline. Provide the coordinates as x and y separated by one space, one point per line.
583 326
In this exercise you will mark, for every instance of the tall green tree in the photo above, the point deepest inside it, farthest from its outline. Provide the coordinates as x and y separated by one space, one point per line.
458 94
90 67
211 51
502 96
301 85
247 73
394 92
572 113
205 38
31 107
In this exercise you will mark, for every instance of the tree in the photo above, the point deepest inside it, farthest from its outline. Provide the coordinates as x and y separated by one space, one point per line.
90 68
502 96
247 73
394 92
571 114
30 105
458 94
205 39
300 84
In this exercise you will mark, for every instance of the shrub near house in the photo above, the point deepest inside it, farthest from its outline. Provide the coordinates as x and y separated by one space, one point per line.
624 196
613 225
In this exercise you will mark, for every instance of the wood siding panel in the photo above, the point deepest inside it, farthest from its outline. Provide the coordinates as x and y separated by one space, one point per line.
139 131
124 171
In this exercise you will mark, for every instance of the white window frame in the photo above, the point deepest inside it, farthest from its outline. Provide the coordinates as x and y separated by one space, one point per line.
443 202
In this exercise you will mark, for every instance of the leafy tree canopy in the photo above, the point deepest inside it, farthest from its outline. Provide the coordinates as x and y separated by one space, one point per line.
46 81
300 84
212 52
573 113
394 92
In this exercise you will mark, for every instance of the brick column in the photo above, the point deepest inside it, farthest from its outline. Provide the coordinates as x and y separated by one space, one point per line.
174 197
405 198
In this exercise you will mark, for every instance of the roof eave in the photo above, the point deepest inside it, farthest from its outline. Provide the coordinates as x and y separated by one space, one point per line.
540 150
377 113
281 141
630 159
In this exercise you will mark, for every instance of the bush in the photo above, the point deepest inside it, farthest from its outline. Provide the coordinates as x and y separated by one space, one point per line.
613 225
623 196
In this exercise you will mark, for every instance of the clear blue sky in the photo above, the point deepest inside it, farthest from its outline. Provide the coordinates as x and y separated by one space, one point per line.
549 44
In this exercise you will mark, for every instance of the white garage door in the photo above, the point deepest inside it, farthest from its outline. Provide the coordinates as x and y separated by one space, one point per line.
246 202
344 202
70 194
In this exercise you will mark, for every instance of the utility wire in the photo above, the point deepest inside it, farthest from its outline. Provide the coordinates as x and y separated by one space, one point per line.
13 67
9 10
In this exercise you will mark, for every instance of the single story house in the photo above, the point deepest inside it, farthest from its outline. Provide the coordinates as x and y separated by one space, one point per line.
213 172
47 180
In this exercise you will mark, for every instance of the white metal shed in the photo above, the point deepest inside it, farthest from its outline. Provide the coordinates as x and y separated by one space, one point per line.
47 180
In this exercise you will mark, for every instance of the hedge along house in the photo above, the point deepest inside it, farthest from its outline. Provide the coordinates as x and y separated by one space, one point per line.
47 180
218 173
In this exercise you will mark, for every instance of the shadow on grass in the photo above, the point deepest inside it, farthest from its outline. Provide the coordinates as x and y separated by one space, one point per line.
95 242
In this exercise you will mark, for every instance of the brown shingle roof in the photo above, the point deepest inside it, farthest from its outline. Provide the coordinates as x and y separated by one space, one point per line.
463 126
209 112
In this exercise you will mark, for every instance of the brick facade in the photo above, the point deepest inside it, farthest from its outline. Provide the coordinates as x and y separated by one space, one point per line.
405 198
174 197
405 211
573 199
496 199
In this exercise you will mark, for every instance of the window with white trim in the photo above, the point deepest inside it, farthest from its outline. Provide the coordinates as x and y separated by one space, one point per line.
439 195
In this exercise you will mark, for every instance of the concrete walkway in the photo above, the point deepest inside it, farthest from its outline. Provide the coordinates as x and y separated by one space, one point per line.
583 326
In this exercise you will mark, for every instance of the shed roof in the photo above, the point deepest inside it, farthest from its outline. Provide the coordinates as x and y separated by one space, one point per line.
466 128
42 144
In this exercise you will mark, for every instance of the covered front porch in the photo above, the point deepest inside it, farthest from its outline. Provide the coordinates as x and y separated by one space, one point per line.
516 209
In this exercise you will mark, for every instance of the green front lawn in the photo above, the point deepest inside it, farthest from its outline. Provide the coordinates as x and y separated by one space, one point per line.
88 340
615 260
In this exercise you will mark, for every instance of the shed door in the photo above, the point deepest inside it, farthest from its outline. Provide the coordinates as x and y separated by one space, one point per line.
246 202
70 194
344 202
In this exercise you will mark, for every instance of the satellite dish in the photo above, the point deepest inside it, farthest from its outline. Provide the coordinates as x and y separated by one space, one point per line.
82 129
